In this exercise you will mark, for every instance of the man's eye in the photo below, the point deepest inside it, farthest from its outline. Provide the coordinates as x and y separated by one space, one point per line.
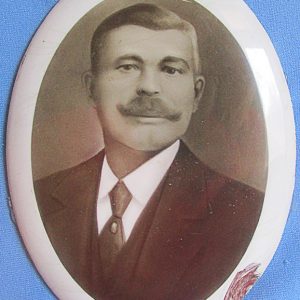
127 67
171 70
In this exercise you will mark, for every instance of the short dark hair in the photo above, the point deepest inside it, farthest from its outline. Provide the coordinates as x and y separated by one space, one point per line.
146 15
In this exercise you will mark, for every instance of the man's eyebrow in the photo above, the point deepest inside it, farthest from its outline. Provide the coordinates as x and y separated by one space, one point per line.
129 57
174 59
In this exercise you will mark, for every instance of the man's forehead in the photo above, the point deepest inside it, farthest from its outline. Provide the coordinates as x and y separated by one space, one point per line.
147 42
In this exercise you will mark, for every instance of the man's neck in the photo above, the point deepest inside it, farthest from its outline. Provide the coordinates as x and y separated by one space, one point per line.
123 160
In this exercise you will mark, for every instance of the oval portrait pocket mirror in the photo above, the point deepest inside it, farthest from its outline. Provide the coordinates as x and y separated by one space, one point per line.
146 146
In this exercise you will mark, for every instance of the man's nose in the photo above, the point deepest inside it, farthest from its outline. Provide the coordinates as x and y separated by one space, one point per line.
149 83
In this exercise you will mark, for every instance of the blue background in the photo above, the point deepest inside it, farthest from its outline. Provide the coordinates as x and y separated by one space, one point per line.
18 21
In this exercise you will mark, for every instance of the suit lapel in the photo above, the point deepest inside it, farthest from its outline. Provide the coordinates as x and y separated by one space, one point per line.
178 228
73 226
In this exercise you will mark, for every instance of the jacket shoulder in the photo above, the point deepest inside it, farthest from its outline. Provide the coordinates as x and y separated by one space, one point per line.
46 187
234 198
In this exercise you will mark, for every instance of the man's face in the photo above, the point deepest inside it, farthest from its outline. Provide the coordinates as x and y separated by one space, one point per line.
145 90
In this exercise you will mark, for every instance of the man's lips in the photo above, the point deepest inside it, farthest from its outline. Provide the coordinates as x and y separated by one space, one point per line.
147 115
152 115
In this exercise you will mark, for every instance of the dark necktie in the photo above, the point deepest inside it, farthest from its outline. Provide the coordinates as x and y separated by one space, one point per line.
112 238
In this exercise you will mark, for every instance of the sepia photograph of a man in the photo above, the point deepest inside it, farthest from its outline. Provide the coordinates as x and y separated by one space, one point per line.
146 217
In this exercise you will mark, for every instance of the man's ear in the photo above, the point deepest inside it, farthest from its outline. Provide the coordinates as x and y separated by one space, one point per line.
87 82
199 89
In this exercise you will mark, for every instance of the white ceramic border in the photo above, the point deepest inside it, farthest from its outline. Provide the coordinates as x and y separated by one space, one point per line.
275 99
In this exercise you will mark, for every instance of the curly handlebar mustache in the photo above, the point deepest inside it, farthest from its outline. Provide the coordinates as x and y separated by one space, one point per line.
149 107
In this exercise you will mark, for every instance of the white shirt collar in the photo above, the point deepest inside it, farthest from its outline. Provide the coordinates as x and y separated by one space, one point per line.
143 181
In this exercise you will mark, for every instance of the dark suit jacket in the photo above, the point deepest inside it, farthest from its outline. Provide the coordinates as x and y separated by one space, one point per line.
187 241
